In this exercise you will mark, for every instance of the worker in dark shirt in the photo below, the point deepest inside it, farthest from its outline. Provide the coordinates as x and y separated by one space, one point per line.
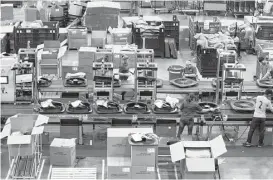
8 50
190 71
189 110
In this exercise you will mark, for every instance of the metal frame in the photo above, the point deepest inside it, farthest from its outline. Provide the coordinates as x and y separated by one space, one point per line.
104 69
147 86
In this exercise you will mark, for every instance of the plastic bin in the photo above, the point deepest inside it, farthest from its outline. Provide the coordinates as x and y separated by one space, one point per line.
175 71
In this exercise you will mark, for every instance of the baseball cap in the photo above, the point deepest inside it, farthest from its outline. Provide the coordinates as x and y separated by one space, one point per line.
268 92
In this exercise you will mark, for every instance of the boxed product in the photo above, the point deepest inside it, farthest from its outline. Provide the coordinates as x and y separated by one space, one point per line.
22 131
121 36
63 152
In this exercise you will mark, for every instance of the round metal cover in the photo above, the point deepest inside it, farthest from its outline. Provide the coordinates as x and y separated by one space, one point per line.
136 108
159 83
208 105
75 82
242 105
265 83
175 68
184 82
44 83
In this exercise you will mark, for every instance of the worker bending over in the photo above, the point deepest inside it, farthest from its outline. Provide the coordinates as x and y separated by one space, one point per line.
266 68
189 110
190 71
259 117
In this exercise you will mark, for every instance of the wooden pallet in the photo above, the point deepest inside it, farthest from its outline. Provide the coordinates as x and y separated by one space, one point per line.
74 173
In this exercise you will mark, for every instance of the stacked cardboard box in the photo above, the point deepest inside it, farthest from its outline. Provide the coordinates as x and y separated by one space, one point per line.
50 59
77 37
63 152
6 12
99 38
121 36
101 15
144 159
31 14
119 152
197 158
86 57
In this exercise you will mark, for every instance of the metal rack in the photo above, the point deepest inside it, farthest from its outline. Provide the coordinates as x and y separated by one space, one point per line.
231 81
27 167
24 83
103 89
72 173
145 85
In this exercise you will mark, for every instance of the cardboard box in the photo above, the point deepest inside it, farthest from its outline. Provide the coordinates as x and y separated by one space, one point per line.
195 164
117 140
98 38
77 33
29 125
70 132
31 14
143 172
121 36
118 168
144 155
56 11
76 43
86 56
6 12
63 152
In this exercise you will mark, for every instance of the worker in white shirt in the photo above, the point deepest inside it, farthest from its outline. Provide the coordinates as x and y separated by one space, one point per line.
259 117
266 68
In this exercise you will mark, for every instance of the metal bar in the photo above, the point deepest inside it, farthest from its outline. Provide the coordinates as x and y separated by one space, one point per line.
10 169
102 170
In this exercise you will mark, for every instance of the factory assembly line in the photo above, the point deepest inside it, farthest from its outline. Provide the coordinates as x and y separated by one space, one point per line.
90 93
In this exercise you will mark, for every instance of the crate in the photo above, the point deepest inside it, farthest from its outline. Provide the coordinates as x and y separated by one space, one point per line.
100 53
36 36
145 54
50 67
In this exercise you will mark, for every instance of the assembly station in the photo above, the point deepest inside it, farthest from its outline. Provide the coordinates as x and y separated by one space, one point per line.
125 89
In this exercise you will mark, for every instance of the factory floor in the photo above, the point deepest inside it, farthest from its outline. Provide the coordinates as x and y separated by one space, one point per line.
238 163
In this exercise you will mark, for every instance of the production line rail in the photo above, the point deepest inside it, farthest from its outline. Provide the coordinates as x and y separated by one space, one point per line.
203 86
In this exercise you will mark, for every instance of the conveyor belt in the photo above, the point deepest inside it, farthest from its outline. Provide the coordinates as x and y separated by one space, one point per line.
203 86
74 173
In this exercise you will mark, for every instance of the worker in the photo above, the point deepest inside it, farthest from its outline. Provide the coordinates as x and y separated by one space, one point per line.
124 72
259 117
7 48
238 45
266 68
190 71
189 108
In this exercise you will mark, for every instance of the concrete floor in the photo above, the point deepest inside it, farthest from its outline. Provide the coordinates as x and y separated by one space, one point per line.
238 163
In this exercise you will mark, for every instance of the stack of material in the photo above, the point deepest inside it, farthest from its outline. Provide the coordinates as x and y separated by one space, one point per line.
77 37
99 38
119 164
101 15
86 57
63 152
121 36
6 12
217 41
244 31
